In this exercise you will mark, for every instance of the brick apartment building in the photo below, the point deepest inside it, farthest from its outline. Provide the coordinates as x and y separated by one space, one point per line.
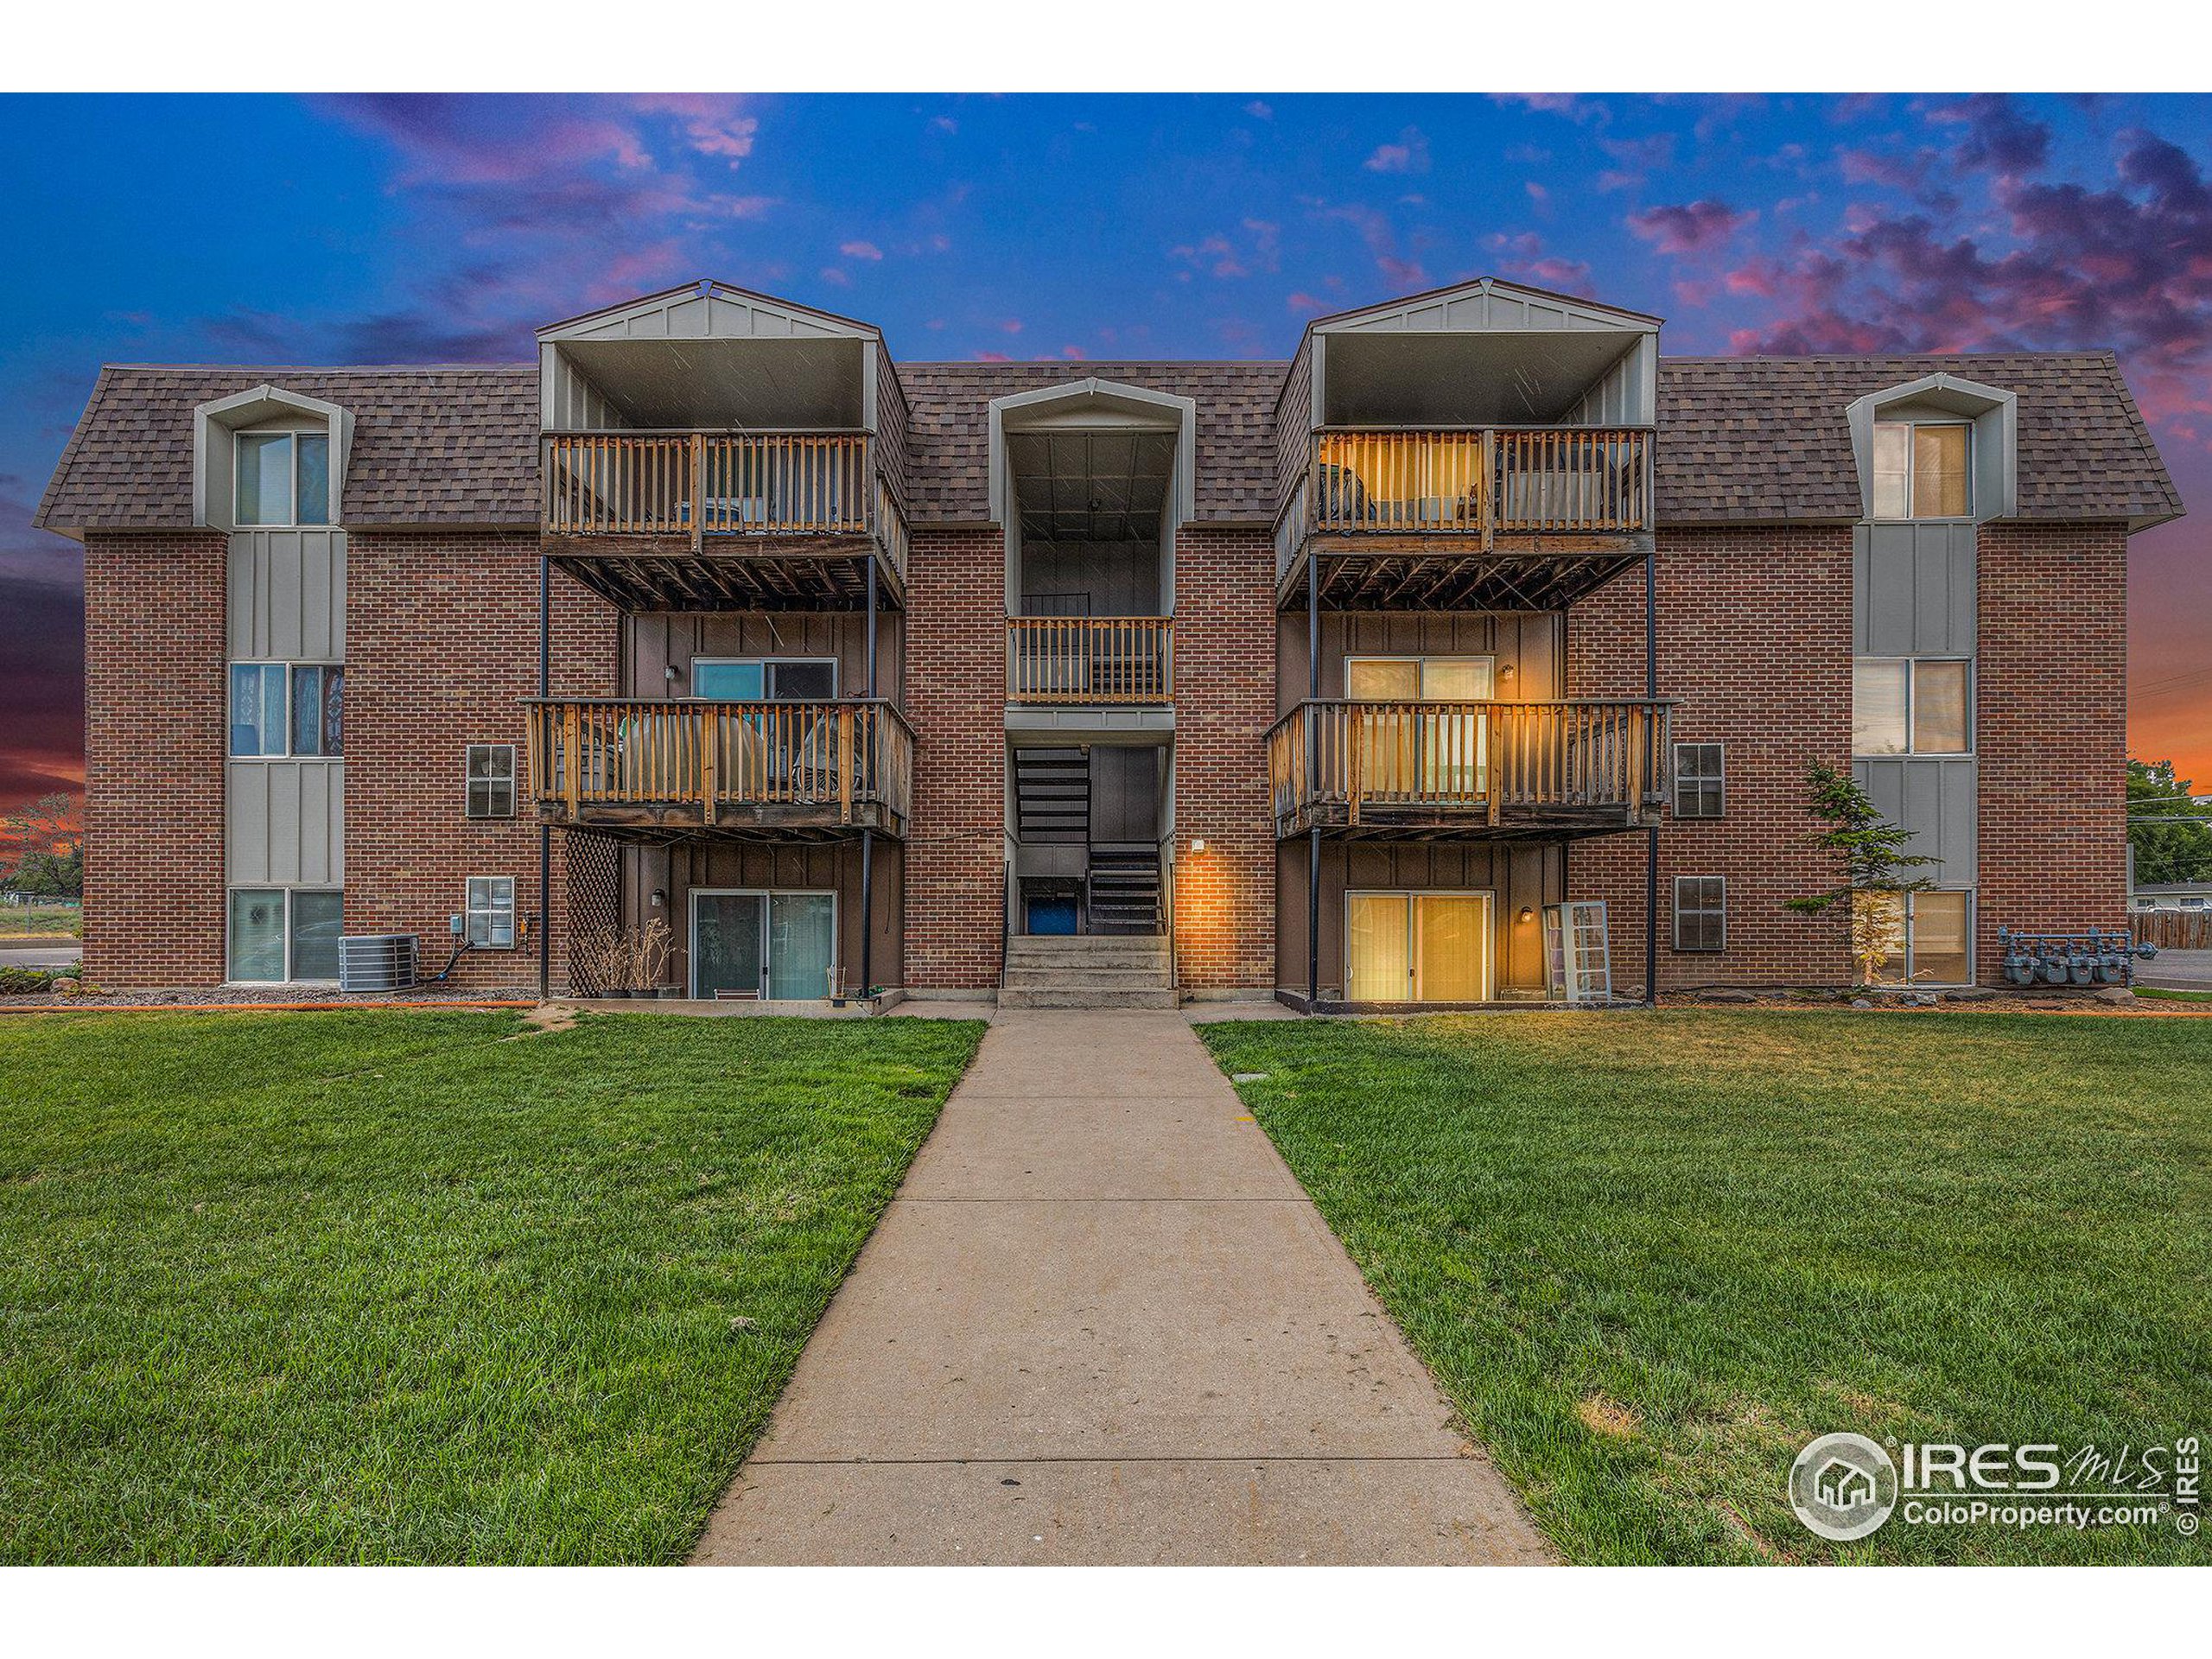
1477 653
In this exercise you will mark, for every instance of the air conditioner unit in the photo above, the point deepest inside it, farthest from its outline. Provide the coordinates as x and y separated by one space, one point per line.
376 962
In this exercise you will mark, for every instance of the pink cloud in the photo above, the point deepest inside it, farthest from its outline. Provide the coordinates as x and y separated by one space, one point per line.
859 250
1688 227
1409 155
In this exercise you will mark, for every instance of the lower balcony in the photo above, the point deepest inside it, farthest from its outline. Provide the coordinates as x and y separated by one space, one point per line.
1410 770
659 771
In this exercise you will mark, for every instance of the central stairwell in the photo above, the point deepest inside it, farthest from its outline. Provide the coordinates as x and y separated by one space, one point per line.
1088 971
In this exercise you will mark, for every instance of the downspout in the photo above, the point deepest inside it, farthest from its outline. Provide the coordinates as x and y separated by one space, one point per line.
1312 780
868 835
1651 835
545 830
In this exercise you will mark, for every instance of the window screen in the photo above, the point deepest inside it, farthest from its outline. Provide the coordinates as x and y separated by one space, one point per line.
1700 913
1698 790
491 780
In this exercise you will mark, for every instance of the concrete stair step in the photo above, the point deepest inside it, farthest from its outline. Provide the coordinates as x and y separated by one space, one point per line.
1041 996
1101 949
1089 974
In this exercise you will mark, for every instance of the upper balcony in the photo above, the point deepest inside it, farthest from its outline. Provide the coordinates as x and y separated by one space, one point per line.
711 449
1485 448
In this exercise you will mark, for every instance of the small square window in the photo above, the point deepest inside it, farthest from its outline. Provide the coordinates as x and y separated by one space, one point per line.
1698 792
1700 913
491 780
490 914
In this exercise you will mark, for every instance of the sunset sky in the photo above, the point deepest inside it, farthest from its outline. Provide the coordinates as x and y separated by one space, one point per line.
263 229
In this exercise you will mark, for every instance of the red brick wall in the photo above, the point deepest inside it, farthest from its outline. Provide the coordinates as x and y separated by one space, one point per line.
955 701
440 648
1224 702
2051 730
156 690
1755 639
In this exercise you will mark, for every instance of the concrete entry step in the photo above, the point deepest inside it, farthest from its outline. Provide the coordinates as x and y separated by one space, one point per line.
1088 996
1090 973
1085 947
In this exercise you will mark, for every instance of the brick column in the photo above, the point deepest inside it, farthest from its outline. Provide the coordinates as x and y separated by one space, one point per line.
955 701
1224 702
1755 640
2050 730
156 740
440 648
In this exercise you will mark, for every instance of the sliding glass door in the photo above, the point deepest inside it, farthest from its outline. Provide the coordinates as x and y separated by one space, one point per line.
1417 947
778 945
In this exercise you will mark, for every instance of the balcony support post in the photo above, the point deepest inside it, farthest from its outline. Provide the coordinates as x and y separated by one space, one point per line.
1651 835
545 830
867 912
1312 780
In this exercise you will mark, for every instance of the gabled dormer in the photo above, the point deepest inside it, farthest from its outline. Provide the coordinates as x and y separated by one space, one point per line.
268 458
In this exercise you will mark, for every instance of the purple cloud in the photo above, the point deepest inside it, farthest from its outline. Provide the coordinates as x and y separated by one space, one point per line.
1409 155
1689 227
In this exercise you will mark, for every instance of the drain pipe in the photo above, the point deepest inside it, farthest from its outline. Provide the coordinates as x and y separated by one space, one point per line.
1651 835
1312 779
545 830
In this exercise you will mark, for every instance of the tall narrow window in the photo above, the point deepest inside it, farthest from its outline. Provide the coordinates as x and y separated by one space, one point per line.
258 704
1700 913
491 780
318 708
1698 788
1929 936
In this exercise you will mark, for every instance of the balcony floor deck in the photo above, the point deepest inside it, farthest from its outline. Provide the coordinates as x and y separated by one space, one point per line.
727 572
658 824
1412 573
1432 822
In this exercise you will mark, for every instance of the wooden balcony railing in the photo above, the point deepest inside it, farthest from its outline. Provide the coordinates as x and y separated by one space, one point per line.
616 762
700 483
1090 658
1592 764
1479 481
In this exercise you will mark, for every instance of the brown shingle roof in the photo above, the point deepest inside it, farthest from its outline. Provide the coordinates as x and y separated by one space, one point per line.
1740 439
431 446
1765 437
949 443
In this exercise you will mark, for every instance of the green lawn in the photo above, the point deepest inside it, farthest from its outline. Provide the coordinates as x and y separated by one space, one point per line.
1649 1256
389 1287
41 921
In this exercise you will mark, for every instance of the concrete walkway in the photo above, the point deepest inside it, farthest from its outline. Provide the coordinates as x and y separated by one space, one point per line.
1101 1324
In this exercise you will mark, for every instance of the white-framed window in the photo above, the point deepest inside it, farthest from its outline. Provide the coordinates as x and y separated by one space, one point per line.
1923 469
1700 787
284 935
491 780
288 708
765 679
283 478
1911 705
490 914
1700 913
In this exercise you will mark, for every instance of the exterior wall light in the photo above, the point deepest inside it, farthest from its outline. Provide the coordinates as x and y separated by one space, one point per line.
1197 843
1528 914
659 897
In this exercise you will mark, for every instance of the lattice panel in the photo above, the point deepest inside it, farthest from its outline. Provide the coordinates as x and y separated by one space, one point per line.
594 901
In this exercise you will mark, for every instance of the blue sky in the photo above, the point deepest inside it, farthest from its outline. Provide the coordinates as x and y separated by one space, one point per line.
270 230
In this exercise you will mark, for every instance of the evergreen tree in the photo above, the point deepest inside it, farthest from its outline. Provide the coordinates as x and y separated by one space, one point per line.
1871 853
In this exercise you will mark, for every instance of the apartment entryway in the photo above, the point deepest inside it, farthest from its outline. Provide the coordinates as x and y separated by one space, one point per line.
776 946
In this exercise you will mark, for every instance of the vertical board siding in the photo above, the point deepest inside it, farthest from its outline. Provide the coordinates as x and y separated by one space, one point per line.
1934 798
1913 590
285 824
287 595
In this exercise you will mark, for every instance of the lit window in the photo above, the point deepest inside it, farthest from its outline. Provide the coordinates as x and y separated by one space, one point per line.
1921 469
491 780
1930 936
491 917
278 708
1700 913
1911 706
283 478
1698 787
